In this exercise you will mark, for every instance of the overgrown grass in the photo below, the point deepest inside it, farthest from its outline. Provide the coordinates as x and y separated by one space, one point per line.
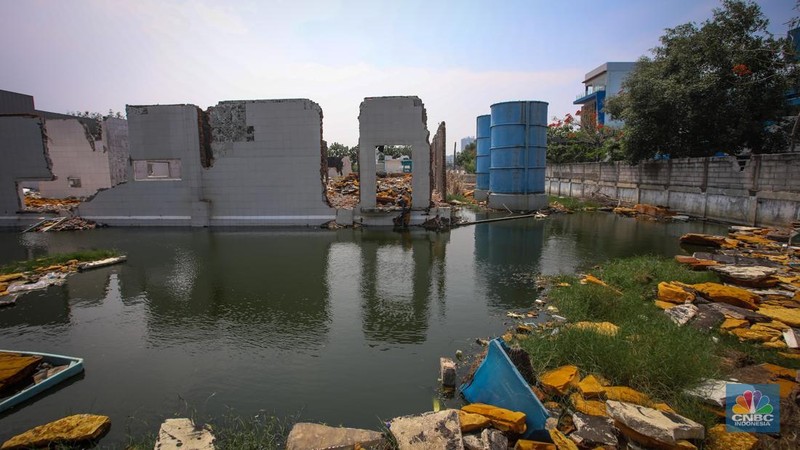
574 203
232 431
650 353
458 197
31 264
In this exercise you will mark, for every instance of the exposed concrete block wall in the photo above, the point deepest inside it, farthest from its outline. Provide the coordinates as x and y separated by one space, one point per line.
80 163
242 163
115 137
23 151
156 133
15 103
764 190
394 121
274 177
439 162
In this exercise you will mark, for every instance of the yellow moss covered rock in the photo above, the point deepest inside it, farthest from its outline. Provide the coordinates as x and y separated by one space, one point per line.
730 324
77 428
719 439
11 277
664 305
502 419
789 316
674 293
524 444
628 395
472 422
559 381
756 334
664 408
590 387
588 407
562 442
728 294
604 328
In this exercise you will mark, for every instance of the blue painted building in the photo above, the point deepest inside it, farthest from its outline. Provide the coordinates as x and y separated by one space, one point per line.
601 84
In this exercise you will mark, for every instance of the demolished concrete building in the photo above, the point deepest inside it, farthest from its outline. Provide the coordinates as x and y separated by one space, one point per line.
87 154
246 163
255 162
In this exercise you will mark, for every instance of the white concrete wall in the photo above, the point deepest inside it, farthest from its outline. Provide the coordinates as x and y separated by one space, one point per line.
73 156
394 121
266 168
764 190
23 153
155 132
274 179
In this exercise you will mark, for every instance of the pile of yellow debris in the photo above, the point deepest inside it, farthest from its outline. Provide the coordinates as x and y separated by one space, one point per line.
644 211
53 205
759 299
392 190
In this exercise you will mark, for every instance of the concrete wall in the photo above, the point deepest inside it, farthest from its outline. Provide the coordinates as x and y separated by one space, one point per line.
115 137
439 163
394 121
76 156
15 103
764 190
23 151
242 163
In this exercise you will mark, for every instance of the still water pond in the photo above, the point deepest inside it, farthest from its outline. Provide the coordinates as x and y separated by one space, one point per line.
343 327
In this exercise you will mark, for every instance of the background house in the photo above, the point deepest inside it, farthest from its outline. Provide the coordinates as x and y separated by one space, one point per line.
601 84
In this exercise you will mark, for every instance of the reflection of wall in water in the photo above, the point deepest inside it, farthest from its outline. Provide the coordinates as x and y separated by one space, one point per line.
203 285
400 275
507 256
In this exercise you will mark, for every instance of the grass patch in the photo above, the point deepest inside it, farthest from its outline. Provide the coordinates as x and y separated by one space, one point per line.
573 203
458 197
232 431
650 353
51 260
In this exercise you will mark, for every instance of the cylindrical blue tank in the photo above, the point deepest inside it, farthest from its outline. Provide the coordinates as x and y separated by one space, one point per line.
482 152
518 147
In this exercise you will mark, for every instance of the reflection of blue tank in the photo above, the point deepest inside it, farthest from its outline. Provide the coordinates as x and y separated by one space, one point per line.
518 147
482 152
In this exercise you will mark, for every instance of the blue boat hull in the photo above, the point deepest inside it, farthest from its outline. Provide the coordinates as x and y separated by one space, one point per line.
497 382
75 367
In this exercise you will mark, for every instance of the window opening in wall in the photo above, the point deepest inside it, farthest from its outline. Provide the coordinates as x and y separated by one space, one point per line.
74 182
393 169
164 170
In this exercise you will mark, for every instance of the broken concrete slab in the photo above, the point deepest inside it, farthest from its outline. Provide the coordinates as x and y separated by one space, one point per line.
435 430
447 372
593 431
739 313
710 391
488 440
184 434
792 338
707 318
68 430
314 436
681 314
751 276
663 427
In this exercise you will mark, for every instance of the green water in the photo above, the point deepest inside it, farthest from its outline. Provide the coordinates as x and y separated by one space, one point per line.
344 327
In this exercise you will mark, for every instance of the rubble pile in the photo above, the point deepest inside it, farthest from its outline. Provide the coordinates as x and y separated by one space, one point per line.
43 277
644 211
759 298
34 202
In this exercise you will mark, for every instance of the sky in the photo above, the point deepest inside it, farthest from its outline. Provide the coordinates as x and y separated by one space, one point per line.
459 57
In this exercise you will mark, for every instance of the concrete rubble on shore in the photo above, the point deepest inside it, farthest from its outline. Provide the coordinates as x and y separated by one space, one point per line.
184 434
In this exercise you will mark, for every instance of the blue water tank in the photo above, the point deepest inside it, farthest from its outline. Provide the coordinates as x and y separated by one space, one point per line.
482 152
518 147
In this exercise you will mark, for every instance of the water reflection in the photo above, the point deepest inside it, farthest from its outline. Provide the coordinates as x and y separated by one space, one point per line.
401 274
507 256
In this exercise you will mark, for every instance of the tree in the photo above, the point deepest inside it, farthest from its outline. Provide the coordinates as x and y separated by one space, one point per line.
466 159
96 115
340 150
711 89
569 141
